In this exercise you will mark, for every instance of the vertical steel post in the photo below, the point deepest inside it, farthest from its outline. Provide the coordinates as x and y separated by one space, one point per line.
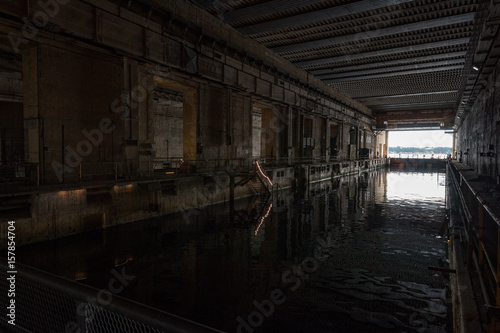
480 218
498 267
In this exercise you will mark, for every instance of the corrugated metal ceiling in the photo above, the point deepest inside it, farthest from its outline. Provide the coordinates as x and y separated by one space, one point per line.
390 55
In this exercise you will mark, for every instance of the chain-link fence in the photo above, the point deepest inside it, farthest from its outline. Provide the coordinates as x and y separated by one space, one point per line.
49 304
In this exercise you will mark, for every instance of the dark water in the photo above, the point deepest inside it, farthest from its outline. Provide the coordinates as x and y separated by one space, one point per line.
350 255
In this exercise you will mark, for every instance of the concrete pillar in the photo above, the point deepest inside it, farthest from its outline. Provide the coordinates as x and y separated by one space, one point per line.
269 134
189 129
300 134
231 197
454 146
364 139
291 152
326 140
145 116
386 145
32 124
341 147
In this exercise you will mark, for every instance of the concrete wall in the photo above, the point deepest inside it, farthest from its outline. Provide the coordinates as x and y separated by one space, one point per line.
380 145
11 132
89 102
168 132
57 214
256 132
478 138
74 81
64 109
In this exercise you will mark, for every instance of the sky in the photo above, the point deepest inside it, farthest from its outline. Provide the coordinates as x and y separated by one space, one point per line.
435 138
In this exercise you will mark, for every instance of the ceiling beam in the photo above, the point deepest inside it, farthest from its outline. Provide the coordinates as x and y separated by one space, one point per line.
265 8
420 114
405 28
434 57
391 69
306 18
432 93
411 105
409 117
408 72
388 52
204 4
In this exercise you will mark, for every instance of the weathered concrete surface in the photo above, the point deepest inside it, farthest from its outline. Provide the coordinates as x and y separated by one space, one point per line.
95 71
478 129
56 214
417 163
465 312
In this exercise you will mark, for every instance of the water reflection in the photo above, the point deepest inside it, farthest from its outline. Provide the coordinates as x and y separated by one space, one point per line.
350 255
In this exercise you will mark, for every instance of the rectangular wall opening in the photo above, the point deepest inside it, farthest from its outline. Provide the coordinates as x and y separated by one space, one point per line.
334 139
11 133
256 132
175 124
308 141
263 133
168 127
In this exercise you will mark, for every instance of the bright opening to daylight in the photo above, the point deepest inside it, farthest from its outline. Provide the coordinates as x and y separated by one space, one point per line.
420 144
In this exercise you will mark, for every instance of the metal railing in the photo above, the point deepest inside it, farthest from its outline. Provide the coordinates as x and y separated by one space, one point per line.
27 173
482 226
421 156
98 171
47 303
34 175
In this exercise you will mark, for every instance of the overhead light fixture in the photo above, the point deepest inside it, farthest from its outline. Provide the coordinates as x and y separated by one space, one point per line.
475 68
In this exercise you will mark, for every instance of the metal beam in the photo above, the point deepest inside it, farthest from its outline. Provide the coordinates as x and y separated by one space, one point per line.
375 76
416 26
389 51
408 95
391 69
421 126
433 57
306 18
417 128
204 4
384 114
411 105
265 8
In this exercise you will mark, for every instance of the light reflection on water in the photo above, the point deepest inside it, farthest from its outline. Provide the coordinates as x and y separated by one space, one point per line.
367 242
415 186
